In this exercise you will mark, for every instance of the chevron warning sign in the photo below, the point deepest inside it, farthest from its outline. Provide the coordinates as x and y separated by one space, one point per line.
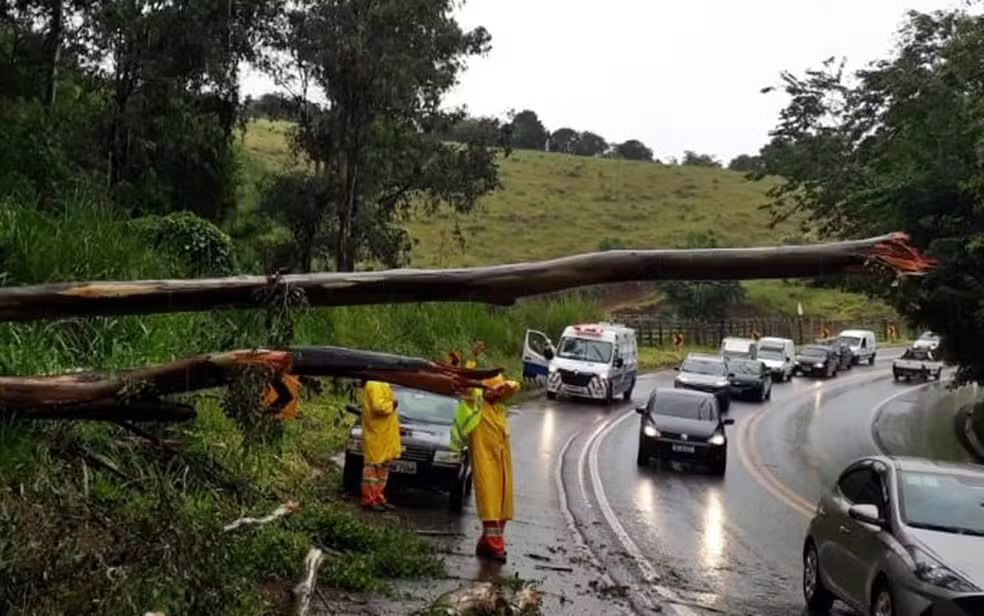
280 396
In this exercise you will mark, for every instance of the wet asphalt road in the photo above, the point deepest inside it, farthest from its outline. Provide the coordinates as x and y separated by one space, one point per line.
673 538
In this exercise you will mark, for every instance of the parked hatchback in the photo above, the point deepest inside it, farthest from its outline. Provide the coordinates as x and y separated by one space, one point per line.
898 536
427 460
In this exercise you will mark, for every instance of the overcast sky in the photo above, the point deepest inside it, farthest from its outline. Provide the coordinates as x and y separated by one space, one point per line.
680 74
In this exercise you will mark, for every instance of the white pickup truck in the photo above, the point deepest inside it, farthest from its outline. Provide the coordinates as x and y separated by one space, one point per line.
917 362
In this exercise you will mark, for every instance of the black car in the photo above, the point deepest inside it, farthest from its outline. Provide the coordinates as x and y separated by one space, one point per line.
817 360
844 353
427 461
685 426
707 373
750 378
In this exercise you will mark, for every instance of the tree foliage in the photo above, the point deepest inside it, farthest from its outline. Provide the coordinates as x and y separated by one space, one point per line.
634 149
384 68
695 159
590 144
746 163
897 145
564 141
527 131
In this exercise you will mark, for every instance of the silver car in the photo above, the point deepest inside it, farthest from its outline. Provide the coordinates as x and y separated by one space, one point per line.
899 537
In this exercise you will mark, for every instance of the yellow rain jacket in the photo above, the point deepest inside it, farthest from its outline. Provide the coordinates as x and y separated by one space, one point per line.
380 424
491 456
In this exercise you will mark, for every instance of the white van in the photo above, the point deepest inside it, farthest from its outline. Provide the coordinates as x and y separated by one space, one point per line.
738 348
597 361
779 354
862 343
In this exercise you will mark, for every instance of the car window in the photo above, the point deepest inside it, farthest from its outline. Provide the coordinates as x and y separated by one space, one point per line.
425 407
585 350
814 352
704 366
863 486
683 406
850 340
771 353
946 503
746 366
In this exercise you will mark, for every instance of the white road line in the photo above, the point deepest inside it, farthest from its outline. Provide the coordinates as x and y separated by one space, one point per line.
565 506
648 570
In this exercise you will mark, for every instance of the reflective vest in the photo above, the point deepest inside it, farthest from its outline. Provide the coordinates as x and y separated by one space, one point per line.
466 419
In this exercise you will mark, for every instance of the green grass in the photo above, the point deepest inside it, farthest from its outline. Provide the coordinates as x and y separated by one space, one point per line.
553 205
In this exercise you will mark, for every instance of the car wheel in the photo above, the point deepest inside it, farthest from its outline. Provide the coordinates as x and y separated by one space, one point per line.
352 475
642 457
763 394
818 599
768 394
627 394
719 466
939 374
609 395
551 395
871 360
456 500
882 603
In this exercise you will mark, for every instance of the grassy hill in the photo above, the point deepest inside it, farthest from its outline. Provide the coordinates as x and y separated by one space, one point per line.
553 205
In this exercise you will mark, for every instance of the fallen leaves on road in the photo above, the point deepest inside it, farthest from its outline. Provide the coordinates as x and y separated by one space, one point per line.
488 599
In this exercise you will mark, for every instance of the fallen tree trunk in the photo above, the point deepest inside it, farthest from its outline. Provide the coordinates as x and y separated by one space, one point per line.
136 395
500 284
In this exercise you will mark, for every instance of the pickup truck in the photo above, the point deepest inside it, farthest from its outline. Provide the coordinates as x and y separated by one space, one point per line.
917 362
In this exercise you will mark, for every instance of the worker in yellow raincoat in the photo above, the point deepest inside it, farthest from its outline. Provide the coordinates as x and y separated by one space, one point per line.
491 457
380 442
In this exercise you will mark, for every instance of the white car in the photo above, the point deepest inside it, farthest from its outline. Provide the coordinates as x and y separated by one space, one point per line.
779 355
928 340
863 344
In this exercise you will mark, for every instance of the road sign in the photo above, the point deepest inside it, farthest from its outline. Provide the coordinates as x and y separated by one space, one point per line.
893 332
280 396
799 308
677 341
824 332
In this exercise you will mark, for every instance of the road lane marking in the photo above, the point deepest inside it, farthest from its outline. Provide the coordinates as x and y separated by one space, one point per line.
748 451
645 567
877 411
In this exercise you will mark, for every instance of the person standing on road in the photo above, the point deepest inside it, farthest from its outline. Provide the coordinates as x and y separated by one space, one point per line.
492 466
380 442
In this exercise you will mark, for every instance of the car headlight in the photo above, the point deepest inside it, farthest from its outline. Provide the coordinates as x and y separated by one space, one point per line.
717 439
651 431
354 444
446 457
819 364
932 571
721 383
552 369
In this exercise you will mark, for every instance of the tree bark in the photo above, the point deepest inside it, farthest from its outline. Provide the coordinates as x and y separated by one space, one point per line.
500 284
53 47
136 395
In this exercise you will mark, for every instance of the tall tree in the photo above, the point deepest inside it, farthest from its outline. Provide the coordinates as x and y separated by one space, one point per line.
564 140
590 144
897 145
746 163
634 149
384 67
695 159
528 132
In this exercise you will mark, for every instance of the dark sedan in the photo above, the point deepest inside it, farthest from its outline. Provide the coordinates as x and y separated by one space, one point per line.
817 360
845 355
707 373
684 426
750 378
427 460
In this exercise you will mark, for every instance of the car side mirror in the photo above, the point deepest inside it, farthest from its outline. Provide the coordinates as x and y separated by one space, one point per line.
548 353
354 410
866 514
728 422
619 362
677 368
642 410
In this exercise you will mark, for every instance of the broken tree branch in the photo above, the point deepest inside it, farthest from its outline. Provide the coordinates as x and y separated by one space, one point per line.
134 395
285 509
500 284
307 586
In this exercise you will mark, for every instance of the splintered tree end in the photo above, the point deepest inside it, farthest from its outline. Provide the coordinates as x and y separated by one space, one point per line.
897 254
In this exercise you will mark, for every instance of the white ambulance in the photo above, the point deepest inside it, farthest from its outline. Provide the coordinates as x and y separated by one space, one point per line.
596 361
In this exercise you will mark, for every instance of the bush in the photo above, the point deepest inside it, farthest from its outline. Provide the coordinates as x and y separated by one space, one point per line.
205 249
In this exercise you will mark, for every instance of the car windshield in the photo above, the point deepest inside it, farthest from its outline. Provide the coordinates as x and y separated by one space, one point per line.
771 353
814 352
686 407
583 349
928 336
850 340
947 503
424 407
918 354
703 366
739 366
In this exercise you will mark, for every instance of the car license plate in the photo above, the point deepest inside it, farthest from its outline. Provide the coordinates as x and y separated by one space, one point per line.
404 467
683 448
